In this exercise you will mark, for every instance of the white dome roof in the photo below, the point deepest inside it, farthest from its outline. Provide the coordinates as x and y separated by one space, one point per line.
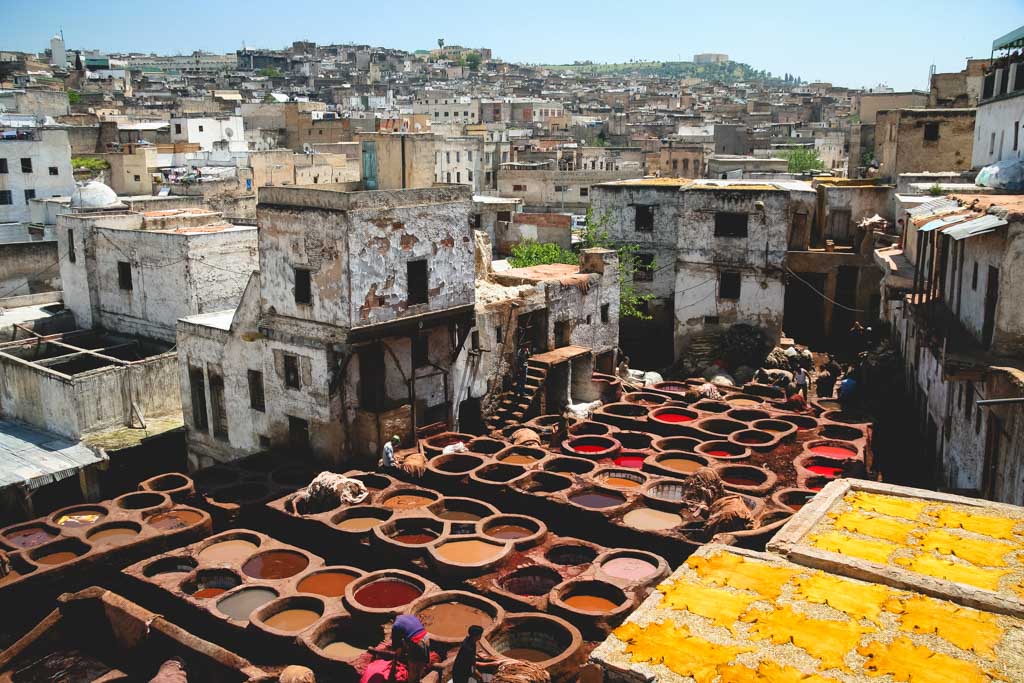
93 195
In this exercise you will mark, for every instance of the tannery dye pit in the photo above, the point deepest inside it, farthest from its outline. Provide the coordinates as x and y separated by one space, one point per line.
387 593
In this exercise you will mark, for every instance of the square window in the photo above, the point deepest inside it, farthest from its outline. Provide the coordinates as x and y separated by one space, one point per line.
29 194
257 400
5 197
931 131
711 320
26 165
519 188
729 285
730 224
303 286
420 358
124 275
584 191
644 218
137 178
54 170
291 371
200 129
416 275
644 271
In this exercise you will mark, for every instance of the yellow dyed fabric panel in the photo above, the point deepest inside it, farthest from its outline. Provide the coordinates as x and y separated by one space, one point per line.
675 648
769 672
996 527
859 601
727 569
827 640
966 628
721 606
836 542
948 570
887 528
973 550
894 506
907 662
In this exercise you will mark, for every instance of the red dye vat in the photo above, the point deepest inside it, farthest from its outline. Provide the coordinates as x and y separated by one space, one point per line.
387 593
834 451
673 417
718 454
631 461
826 471
586 448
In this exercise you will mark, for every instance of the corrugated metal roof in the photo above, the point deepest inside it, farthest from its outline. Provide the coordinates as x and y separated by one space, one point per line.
1014 38
979 226
942 222
32 458
935 206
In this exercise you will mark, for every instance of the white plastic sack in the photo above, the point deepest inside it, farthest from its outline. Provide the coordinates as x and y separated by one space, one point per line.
457 447
1002 175
581 411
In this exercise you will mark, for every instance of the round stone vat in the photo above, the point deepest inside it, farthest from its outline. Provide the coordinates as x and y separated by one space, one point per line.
329 582
113 533
244 493
676 443
275 564
485 445
841 432
815 482
470 555
170 565
755 438
343 638
720 426
846 417
597 498
547 641
231 547
144 500
530 581
644 398
452 509
447 615
497 473
593 447
633 460
792 498
763 390
409 499
672 387
30 535
744 400
238 604
289 615
634 441
521 455
209 583
454 465
803 422
630 411
620 477
435 445
709 406
77 516
177 486
830 448
645 518
569 465
547 425
590 428
677 464
821 466
632 567
720 451
384 593
373 481
520 530
747 414
665 493
175 519
409 533
541 483
361 519
570 554
60 551
666 418
780 428
750 479
582 600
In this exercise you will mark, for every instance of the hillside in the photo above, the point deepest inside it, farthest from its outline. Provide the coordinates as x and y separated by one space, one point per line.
729 72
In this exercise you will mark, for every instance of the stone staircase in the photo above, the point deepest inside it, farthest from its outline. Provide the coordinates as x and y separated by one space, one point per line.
520 403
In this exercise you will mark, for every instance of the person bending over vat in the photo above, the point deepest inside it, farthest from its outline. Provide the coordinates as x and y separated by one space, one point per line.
411 654
468 663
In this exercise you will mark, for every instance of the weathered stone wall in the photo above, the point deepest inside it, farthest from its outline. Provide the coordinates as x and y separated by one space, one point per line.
28 268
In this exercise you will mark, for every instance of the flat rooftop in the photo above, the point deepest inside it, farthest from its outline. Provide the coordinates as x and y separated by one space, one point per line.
31 457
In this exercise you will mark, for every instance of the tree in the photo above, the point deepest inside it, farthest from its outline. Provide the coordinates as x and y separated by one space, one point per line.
74 97
473 60
270 72
533 253
631 301
440 43
802 159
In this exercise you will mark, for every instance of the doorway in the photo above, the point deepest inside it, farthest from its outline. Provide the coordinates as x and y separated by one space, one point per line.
804 306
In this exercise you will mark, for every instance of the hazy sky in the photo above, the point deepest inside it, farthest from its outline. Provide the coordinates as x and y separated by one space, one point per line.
853 44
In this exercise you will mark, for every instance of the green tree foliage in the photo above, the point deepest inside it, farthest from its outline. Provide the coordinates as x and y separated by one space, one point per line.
90 163
270 72
802 159
74 97
473 60
533 253
631 301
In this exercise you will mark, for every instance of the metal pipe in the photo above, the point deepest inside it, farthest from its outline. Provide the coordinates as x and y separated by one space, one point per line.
999 401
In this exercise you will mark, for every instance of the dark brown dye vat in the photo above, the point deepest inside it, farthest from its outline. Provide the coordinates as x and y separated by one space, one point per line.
597 500
140 501
543 482
486 446
459 463
509 532
168 482
174 519
59 552
499 473
275 564
387 593
169 565
571 555
570 464
330 583
452 619
531 581
30 536
374 482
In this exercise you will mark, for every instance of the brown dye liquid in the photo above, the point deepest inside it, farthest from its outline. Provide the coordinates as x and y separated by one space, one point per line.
470 551
74 519
275 564
208 592
174 519
241 604
327 584
741 481
647 519
57 558
509 531
621 482
519 459
743 402
292 619
29 538
416 538
526 654
453 619
459 516
596 499
590 603
387 593
227 551
342 650
359 523
118 534
405 501
684 465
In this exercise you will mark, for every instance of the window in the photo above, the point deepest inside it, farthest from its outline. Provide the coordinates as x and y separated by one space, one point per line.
3 165
291 371
977 422
469 176
1016 135
458 157
519 188
5 197
26 165
931 131
711 320
469 156
137 178
71 245
584 191
197 388
675 164
124 275
416 275
974 277
177 129
643 219
560 188
419 352
729 285
458 176
992 145
970 400
499 334
257 400
220 414
604 312
29 194
644 271
54 170
200 129
729 224
303 287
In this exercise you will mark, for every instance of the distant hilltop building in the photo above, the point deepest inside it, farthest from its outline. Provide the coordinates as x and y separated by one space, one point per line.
710 58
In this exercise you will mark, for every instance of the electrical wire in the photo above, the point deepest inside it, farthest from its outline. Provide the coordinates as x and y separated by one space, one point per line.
823 295
32 277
